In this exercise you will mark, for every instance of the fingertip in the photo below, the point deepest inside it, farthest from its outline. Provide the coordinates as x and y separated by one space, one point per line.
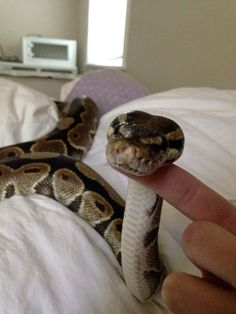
185 293
200 242
170 292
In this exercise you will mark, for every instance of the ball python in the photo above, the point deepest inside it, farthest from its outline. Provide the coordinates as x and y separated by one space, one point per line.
138 143
72 136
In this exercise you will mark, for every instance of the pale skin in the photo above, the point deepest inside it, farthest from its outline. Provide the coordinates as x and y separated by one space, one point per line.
209 242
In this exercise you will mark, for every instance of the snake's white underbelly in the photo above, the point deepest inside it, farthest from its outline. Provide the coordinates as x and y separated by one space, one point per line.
140 218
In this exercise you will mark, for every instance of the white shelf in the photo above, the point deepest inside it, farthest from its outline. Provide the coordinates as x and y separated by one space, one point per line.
20 69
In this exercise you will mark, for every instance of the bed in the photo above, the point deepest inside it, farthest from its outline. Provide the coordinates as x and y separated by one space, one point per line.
51 260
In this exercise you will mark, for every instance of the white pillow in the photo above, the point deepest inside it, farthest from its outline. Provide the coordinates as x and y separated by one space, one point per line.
23 113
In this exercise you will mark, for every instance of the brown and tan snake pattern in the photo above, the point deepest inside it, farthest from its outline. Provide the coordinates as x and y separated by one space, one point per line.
138 143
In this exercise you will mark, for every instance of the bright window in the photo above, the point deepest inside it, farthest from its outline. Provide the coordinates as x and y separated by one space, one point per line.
106 32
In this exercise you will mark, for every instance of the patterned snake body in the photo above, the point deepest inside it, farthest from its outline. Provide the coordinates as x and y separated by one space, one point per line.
72 136
139 144
71 183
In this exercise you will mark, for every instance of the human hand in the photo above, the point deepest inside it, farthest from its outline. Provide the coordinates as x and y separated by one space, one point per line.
209 242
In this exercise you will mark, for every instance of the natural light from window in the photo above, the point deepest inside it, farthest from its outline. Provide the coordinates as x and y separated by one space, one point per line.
106 32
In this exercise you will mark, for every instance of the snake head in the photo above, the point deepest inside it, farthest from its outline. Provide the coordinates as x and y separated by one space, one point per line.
139 143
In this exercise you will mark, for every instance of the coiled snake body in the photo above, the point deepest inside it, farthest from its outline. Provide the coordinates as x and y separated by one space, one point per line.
138 143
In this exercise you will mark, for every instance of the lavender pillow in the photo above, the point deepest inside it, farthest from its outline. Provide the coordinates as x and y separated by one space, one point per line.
107 88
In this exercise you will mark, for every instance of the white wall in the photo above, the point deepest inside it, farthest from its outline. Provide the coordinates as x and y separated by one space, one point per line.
183 43
50 18
82 33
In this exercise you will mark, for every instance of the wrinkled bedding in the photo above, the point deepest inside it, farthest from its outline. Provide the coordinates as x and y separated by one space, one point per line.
53 262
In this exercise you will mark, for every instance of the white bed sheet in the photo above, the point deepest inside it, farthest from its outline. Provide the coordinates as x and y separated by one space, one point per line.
23 112
53 262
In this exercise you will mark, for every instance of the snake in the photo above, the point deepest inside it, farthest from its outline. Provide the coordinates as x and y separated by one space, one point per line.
138 144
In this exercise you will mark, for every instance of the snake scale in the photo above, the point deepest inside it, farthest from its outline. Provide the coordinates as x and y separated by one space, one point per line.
138 143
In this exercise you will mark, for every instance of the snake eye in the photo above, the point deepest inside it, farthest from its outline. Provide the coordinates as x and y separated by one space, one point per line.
155 147
177 144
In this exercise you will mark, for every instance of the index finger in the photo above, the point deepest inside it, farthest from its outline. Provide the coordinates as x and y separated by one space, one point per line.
191 196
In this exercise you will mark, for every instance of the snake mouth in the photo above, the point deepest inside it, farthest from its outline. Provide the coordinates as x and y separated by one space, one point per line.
134 157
